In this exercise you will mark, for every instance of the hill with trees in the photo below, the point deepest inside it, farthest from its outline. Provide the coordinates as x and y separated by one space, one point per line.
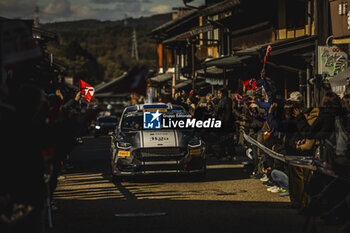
101 50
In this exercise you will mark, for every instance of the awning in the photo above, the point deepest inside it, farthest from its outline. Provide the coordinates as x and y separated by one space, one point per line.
280 46
162 78
212 70
226 61
183 84
290 45
338 82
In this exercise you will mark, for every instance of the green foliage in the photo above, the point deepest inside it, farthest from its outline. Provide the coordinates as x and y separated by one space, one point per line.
99 51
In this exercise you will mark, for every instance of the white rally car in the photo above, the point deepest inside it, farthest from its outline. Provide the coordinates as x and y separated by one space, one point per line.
139 150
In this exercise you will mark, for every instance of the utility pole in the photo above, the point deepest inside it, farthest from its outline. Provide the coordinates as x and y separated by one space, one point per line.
134 49
36 17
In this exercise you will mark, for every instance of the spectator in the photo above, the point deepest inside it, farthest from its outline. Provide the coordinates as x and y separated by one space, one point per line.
224 113
190 104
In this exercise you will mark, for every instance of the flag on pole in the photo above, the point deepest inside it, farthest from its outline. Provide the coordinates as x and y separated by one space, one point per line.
267 54
87 91
250 84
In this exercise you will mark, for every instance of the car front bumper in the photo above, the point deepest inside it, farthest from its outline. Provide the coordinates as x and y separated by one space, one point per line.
170 160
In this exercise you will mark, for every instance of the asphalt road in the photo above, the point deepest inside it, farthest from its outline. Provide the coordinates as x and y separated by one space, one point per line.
226 201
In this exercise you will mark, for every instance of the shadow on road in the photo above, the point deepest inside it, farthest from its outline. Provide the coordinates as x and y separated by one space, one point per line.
88 201
181 216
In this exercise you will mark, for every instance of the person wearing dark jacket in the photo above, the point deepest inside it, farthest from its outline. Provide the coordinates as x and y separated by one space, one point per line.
224 113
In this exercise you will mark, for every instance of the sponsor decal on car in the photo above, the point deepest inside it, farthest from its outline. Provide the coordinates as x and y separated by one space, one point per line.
123 153
195 152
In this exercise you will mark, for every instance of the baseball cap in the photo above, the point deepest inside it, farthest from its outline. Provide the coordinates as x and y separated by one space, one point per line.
295 96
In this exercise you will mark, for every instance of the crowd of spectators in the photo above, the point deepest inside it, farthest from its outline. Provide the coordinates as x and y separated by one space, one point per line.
287 127
40 127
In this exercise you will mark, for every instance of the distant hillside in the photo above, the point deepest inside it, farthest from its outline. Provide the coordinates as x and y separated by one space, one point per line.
101 50
92 24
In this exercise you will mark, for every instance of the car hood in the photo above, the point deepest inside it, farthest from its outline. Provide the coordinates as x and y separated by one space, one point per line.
157 138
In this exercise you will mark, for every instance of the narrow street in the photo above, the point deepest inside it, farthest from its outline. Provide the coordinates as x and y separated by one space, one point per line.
226 201
163 87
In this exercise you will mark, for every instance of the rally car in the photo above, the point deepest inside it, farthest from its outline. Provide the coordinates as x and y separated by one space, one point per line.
140 147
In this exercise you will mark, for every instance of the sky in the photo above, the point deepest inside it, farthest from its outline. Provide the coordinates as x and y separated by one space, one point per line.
70 10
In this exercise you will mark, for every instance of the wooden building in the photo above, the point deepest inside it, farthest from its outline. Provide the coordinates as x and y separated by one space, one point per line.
224 42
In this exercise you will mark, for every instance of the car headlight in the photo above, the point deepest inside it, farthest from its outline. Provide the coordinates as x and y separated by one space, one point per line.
123 145
98 127
195 142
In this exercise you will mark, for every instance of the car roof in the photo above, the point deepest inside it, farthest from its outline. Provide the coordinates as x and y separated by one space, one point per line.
140 107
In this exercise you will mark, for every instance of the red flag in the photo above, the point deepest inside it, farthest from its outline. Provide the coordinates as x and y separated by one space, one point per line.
267 54
250 84
87 91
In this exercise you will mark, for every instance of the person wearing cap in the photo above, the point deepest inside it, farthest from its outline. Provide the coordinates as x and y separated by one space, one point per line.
296 96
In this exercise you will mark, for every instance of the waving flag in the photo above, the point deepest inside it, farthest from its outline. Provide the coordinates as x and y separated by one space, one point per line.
267 54
250 84
87 91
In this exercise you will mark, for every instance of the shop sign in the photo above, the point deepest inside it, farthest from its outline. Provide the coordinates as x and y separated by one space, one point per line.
331 60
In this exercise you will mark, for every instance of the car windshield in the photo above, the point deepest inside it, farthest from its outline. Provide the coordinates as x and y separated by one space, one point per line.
134 120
